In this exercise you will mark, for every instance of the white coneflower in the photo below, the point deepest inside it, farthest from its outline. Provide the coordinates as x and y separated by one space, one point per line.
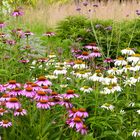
115 71
136 68
131 81
51 77
108 106
79 64
127 51
120 62
52 56
83 74
122 112
136 133
110 79
86 89
111 89
134 59
97 76
64 85
127 68
60 71
138 111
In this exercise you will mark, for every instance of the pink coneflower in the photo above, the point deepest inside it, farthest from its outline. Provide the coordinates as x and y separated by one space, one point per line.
17 13
108 60
82 130
43 104
84 55
49 34
2 24
24 61
28 33
85 3
35 87
72 112
54 101
138 12
95 53
28 84
12 84
43 60
41 95
42 81
81 113
5 97
5 123
15 92
28 92
2 35
10 42
18 32
2 111
91 47
70 94
76 122
46 89
13 103
66 103
2 89
55 94
78 9
20 112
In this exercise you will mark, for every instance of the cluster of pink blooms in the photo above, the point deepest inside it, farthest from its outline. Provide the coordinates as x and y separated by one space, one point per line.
17 12
90 51
76 120
41 93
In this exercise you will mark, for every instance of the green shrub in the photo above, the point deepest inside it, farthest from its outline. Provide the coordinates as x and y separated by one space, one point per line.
123 34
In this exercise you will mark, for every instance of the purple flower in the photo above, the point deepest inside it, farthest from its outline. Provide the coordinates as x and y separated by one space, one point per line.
43 104
138 12
41 95
28 92
108 60
15 92
12 84
24 61
70 94
85 3
84 55
95 53
28 33
66 103
10 42
98 26
95 5
82 130
43 81
109 28
2 24
5 123
75 122
49 34
78 9
17 13
13 103
20 112
81 113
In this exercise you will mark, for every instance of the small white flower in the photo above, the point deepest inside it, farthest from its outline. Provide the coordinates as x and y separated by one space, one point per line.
97 77
138 111
51 77
136 133
86 89
60 71
122 112
64 85
108 106
80 66
110 80
127 51
120 62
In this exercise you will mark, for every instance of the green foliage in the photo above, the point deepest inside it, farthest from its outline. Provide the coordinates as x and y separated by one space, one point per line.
123 34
